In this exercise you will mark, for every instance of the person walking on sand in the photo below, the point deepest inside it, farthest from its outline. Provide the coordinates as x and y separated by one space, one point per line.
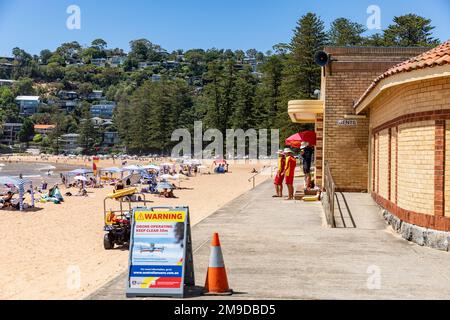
279 178
289 171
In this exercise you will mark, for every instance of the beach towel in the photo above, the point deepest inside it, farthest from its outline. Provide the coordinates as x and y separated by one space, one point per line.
54 195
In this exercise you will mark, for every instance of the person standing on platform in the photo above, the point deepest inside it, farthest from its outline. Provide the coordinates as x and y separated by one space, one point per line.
289 170
279 178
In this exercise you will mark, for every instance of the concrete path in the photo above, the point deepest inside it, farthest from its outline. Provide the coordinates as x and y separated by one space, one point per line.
276 249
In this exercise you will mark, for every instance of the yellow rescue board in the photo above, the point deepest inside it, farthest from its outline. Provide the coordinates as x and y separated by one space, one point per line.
122 193
311 198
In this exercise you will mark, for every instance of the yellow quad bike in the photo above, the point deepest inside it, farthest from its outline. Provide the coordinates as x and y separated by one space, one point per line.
118 222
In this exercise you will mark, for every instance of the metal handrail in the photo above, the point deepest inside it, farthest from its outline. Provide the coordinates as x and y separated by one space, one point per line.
330 188
257 174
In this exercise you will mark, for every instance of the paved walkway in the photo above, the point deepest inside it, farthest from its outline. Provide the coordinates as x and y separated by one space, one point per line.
276 249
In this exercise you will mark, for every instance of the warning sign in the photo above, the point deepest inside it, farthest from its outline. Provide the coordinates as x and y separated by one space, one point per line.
160 252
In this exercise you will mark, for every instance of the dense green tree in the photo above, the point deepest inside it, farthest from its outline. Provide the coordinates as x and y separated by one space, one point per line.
24 87
100 44
45 56
375 40
26 132
269 93
89 135
70 51
302 75
6 96
245 114
410 30
344 32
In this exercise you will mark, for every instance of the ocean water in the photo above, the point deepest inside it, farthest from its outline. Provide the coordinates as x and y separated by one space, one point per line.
35 171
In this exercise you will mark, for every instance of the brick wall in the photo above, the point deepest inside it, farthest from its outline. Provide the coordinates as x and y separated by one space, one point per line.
418 117
416 167
433 94
347 148
383 166
393 165
447 170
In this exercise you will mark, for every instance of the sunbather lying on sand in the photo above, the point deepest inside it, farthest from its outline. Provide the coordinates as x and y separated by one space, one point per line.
6 201
166 193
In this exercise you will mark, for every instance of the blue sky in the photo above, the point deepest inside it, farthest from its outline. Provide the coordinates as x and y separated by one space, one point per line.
183 24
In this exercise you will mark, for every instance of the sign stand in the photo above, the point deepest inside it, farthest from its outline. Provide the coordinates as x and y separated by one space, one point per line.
161 260
189 276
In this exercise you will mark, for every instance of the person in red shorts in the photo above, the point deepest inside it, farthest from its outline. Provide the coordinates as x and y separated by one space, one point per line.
279 178
289 171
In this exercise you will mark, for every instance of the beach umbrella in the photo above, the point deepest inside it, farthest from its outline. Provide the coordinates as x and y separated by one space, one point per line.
164 185
296 140
80 171
132 168
81 178
167 164
179 177
193 162
151 167
145 175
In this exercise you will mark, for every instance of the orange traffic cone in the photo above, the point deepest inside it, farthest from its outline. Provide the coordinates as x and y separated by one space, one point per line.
216 278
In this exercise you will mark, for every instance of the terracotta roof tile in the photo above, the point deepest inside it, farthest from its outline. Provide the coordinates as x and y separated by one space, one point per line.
435 57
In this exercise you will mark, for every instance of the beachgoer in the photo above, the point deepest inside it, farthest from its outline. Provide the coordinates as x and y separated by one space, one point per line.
307 154
6 201
289 171
279 178
119 186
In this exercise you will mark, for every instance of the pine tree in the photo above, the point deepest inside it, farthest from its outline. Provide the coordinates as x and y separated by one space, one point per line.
269 93
245 113
410 30
344 32
89 136
302 75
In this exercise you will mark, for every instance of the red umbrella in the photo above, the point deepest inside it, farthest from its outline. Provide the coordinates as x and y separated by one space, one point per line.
216 162
305 136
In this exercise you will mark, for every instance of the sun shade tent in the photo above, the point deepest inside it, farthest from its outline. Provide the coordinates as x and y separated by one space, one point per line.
80 172
296 140
20 185
112 170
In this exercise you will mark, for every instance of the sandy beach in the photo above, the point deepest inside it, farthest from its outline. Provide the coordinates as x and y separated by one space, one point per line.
56 251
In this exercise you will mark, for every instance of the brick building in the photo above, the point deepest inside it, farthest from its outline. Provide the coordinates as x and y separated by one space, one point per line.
342 136
387 132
